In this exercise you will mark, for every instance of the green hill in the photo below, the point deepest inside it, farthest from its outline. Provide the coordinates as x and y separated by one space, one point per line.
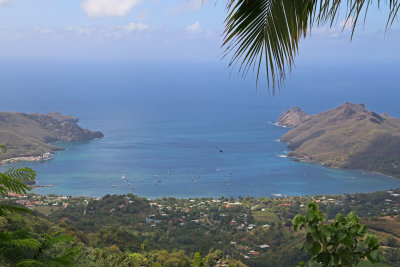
30 134
348 136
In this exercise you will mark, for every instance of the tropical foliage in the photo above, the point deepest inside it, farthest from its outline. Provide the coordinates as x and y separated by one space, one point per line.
268 32
342 243
19 247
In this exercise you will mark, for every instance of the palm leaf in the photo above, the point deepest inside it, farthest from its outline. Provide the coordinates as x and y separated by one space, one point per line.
268 32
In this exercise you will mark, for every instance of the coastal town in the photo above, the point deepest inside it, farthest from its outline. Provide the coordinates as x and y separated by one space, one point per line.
250 228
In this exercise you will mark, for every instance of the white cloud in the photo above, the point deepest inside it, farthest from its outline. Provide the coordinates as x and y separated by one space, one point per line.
43 30
81 30
108 8
195 27
136 27
335 31
187 6
3 2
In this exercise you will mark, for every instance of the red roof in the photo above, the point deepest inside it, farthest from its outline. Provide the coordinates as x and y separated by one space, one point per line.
285 204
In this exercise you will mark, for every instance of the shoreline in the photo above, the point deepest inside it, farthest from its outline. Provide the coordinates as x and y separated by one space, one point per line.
24 159
272 195
297 159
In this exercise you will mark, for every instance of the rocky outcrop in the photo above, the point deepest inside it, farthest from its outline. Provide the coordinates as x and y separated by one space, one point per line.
30 134
292 118
62 128
349 136
61 117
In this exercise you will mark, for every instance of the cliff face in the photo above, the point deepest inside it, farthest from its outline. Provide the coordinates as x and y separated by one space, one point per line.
29 134
292 118
349 136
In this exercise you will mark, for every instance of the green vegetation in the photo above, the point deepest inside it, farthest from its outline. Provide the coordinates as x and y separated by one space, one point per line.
344 242
126 230
349 136
18 246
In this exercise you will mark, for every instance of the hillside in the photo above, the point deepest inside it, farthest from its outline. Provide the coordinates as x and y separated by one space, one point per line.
30 134
256 230
349 136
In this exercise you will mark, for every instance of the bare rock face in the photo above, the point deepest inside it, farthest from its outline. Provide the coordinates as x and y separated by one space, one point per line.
292 118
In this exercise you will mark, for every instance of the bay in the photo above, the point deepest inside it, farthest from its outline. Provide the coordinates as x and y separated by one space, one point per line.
165 127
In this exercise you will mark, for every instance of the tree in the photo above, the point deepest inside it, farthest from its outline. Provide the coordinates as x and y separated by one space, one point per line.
343 243
259 32
19 247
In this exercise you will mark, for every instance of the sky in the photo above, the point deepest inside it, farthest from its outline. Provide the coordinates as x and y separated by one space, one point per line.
170 30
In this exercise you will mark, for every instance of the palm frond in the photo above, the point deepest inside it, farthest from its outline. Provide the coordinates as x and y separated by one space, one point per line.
268 32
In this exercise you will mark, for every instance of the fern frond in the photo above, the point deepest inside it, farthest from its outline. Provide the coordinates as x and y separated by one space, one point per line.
5 209
54 238
23 174
11 240
67 258
9 184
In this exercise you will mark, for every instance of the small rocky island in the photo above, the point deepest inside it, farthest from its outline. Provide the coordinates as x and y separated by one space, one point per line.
349 136
30 135
292 118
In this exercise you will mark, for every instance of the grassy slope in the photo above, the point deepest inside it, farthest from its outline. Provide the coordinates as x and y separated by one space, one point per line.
29 134
349 136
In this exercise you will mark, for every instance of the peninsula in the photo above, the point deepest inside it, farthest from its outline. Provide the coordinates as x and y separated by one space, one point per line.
29 135
349 136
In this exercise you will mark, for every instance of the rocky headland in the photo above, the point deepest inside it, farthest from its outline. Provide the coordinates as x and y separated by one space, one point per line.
349 136
292 118
30 135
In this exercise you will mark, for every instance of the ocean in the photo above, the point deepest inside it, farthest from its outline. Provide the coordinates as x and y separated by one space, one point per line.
166 123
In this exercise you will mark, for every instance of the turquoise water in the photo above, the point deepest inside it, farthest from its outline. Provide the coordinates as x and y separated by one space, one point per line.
164 133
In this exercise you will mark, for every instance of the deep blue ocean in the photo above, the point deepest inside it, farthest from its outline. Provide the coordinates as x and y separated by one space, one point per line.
165 124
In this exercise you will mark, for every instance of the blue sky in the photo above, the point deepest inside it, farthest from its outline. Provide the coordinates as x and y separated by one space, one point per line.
154 30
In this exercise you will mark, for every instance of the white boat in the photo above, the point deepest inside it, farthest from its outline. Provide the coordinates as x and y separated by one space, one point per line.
46 156
123 177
